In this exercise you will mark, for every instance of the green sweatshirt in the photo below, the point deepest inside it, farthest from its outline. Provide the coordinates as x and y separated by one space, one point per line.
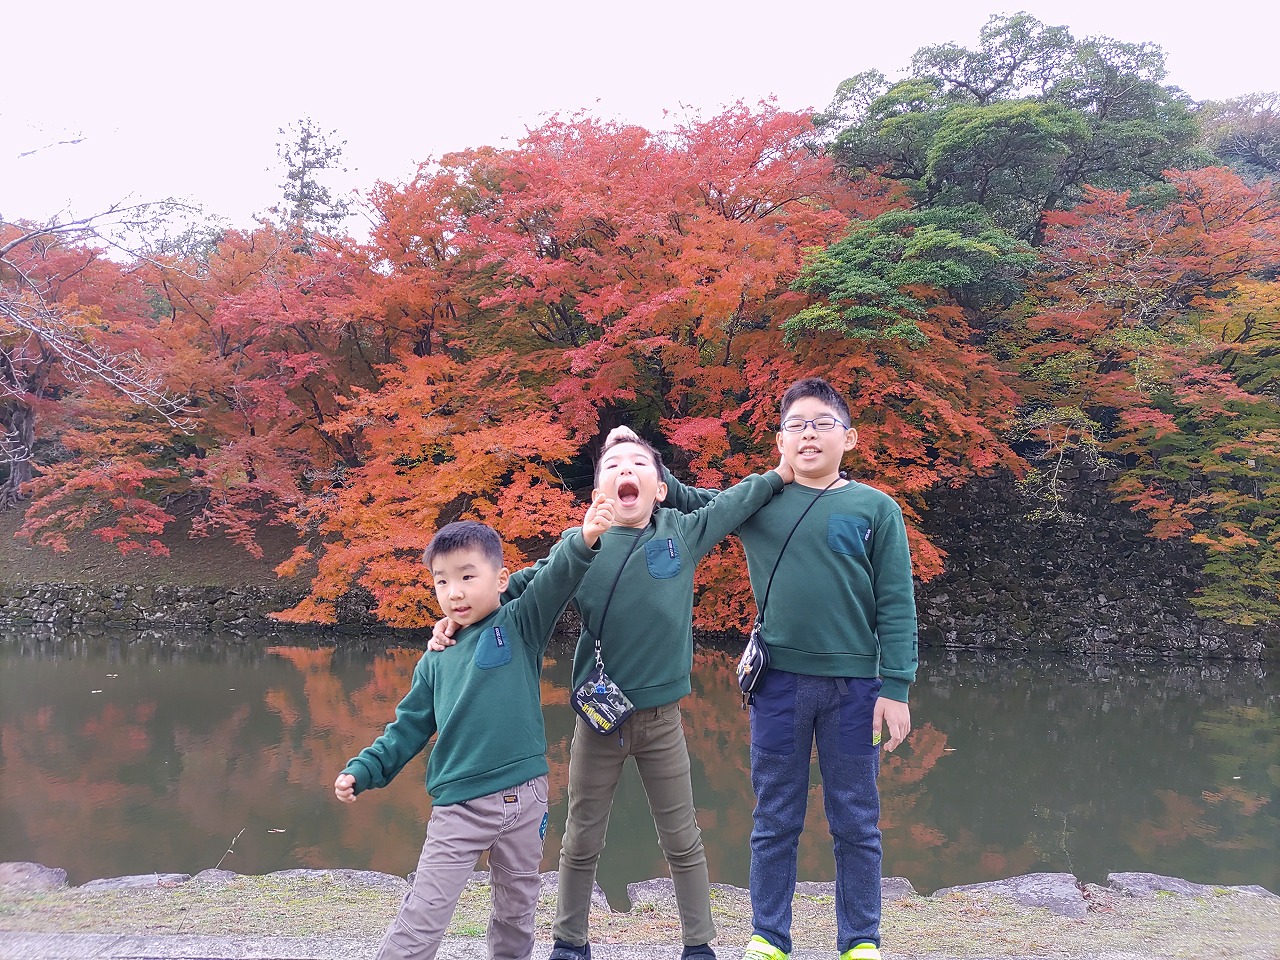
646 639
482 699
842 603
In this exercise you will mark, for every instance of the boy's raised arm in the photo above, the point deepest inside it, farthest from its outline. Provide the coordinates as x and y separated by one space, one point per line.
556 580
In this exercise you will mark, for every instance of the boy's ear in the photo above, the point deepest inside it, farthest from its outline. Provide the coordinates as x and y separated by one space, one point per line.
503 576
662 491
851 438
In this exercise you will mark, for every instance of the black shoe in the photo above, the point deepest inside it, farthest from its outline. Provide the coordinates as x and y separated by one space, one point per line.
700 951
563 950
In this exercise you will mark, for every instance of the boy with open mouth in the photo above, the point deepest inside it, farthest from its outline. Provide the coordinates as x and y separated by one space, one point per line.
638 600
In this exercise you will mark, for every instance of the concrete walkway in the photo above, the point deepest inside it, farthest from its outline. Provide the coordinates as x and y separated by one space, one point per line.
98 946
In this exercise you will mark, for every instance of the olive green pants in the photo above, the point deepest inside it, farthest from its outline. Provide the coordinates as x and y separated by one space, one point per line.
655 738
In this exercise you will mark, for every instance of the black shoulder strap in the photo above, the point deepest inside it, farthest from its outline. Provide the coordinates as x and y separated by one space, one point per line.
609 597
764 601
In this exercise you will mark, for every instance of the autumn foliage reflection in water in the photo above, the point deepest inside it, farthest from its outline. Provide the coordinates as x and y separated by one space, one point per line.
121 757
338 722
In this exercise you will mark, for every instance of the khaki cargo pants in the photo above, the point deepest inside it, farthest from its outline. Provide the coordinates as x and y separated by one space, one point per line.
654 738
510 824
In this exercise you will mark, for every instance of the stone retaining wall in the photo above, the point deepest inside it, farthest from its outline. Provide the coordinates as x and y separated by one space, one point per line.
1097 587
139 606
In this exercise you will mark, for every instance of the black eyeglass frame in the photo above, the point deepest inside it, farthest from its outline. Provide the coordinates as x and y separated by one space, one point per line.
835 422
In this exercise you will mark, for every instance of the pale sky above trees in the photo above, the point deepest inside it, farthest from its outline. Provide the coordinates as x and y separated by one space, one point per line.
144 100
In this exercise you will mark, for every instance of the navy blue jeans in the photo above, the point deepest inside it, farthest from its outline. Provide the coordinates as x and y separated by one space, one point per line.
791 712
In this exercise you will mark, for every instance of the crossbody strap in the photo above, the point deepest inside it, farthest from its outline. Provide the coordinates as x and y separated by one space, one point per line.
764 602
609 598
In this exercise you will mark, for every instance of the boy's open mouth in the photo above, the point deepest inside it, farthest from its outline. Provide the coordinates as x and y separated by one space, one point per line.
628 492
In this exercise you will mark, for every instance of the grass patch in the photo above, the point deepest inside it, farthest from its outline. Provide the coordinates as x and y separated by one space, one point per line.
1236 926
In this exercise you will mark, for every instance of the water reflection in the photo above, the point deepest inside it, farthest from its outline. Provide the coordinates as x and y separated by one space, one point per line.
123 755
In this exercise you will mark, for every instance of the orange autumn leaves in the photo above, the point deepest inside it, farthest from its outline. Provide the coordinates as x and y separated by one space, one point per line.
509 306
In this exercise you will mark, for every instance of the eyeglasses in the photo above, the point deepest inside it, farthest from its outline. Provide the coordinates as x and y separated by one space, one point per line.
821 424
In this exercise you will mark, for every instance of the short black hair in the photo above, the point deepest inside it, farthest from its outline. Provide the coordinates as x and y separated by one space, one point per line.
639 442
818 389
465 535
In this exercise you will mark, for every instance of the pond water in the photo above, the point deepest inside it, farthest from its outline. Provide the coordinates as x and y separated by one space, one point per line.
121 754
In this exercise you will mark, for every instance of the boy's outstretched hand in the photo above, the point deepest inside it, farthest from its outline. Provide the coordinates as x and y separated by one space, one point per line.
344 788
894 713
598 519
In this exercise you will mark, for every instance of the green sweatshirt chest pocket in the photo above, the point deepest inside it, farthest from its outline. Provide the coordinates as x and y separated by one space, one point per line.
848 535
662 557
493 649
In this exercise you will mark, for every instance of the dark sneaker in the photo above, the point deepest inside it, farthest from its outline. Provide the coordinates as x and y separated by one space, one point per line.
561 950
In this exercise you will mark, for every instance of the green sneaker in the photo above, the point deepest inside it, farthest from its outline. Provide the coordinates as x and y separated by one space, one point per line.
758 948
861 951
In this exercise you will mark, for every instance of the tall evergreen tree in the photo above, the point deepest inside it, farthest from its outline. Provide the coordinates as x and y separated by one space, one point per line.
310 205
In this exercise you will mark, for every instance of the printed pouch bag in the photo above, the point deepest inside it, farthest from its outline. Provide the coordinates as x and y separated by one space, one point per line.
601 703
752 665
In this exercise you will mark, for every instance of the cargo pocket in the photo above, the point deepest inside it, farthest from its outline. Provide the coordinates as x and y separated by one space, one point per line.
773 713
857 710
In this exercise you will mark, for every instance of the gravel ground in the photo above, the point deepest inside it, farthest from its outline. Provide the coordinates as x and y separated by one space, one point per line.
347 904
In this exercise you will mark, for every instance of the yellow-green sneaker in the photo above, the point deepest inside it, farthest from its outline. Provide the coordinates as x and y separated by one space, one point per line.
758 948
861 951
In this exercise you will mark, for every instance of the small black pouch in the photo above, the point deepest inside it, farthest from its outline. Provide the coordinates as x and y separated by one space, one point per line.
600 702
752 665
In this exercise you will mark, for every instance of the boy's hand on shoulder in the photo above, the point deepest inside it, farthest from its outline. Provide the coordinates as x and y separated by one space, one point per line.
442 635
621 435
894 713
598 519
783 469
344 788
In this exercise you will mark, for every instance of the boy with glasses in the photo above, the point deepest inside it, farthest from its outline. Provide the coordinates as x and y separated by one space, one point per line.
831 573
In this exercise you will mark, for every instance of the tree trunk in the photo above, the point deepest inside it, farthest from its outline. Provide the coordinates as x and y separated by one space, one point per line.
15 453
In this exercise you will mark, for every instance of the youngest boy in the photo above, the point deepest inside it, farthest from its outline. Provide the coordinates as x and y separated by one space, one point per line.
487 772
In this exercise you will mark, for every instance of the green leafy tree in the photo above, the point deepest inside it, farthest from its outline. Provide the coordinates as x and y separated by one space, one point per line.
879 280
1244 133
1019 125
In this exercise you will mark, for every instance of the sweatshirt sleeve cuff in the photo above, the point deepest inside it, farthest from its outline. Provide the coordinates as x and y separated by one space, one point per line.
358 770
579 546
775 480
892 689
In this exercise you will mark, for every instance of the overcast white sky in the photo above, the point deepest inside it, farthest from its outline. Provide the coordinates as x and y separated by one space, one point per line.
185 100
